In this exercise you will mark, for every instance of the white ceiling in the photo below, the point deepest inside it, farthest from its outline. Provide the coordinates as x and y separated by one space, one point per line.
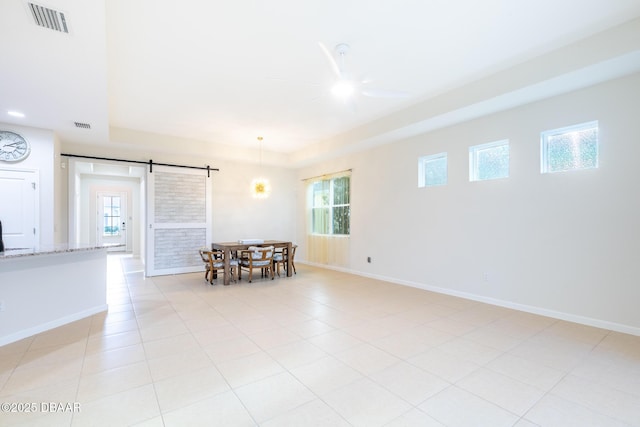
224 72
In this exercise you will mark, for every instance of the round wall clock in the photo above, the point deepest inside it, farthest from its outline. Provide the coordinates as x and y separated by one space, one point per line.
13 147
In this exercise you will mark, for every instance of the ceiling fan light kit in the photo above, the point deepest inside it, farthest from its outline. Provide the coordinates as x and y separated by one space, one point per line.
345 87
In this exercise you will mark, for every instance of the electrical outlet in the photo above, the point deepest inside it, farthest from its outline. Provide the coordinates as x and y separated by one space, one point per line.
485 276
2 305
369 259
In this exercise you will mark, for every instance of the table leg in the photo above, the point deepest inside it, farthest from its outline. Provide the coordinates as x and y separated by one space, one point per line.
289 268
227 266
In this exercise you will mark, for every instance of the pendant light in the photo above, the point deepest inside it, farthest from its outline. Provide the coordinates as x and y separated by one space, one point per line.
260 186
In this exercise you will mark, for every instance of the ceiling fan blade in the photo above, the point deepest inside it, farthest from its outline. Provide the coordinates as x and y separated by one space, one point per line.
332 60
381 93
364 80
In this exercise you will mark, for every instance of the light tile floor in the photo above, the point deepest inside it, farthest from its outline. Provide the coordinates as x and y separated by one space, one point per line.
323 348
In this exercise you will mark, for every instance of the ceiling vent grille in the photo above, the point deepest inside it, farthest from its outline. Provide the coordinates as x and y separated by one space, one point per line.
82 125
49 18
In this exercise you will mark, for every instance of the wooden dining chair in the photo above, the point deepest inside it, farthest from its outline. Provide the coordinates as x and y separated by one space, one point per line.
256 257
204 254
215 264
281 257
293 257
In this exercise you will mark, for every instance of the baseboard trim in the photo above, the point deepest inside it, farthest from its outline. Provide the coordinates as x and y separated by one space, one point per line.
598 323
26 333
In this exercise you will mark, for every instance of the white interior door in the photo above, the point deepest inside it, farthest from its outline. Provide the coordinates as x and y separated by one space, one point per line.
18 208
112 220
178 220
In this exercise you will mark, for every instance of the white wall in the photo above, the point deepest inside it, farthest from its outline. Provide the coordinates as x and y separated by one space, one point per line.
564 244
61 204
236 214
43 149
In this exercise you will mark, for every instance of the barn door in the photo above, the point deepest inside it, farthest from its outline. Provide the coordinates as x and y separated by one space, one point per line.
178 220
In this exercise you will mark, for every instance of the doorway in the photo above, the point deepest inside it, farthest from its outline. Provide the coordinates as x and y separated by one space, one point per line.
90 184
112 220
19 220
167 215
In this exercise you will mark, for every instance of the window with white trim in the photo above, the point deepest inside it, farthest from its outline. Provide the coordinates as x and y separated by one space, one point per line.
569 148
489 161
111 216
330 210
432 170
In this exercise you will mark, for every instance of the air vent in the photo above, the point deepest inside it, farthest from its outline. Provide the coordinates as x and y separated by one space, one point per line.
49 18
82 125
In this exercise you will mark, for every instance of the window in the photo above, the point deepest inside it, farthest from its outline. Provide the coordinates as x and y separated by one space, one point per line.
489 161
569 148
330 211
432 170
111 216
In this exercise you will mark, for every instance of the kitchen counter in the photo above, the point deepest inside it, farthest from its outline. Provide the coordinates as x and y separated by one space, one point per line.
12 253
50 287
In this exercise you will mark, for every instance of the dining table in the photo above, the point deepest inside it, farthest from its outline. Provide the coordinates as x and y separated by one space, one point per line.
233 247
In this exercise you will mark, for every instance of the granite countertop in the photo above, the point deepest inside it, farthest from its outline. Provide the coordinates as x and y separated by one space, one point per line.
55 249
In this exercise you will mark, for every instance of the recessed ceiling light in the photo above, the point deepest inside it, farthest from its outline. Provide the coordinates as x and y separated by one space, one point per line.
15 114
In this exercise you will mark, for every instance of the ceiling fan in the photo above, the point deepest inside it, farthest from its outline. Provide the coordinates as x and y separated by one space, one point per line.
347 85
